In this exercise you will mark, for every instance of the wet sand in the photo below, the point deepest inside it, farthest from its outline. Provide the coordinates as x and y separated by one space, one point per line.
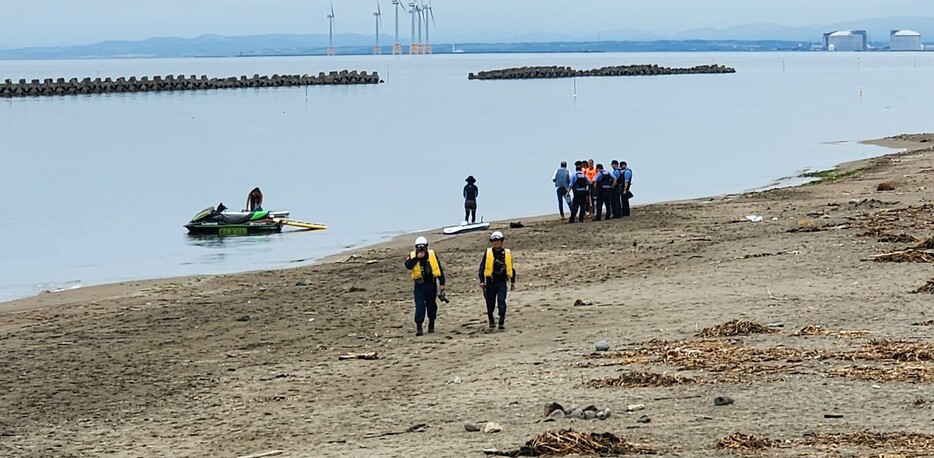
234 365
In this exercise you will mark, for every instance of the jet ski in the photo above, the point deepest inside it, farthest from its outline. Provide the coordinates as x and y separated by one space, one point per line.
219 221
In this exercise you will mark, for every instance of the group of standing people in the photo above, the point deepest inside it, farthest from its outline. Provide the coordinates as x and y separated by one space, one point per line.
497 275
593 188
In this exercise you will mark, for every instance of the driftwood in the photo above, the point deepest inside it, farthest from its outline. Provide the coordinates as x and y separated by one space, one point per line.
262 454
909 255
412 429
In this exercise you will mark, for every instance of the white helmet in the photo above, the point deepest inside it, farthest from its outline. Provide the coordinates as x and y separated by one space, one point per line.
421 241
497 235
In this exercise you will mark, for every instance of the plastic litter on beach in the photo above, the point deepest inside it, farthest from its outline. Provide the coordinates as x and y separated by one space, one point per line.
754 218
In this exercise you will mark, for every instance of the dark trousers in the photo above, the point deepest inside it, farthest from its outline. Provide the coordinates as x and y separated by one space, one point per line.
495 294
604 199
616 204
624 204
579 205
562 191
426 299
470 211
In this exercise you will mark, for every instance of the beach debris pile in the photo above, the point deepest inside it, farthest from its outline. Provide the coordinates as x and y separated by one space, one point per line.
911 374
901 351
570 442
734 328
639 380
554 411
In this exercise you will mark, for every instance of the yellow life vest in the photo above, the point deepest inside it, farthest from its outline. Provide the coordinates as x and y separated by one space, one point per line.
432 261
488 269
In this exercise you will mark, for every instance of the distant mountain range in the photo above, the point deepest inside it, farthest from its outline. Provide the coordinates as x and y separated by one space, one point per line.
748 37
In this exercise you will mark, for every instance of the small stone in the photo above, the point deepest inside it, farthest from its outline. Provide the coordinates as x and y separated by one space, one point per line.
472 427
601 415
556 415
722 401
590 414
591 407
644 419
634 407
776 325
301 283
551 407
607 413
244 318
878 387
492 427
577 413
602 345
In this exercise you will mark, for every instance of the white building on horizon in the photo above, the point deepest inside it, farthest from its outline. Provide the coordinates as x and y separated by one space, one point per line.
905 40
846 40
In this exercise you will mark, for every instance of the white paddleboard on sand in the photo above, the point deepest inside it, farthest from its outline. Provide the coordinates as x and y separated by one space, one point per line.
465 227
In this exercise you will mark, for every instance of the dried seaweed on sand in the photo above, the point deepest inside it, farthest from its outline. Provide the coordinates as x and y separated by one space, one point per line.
570 442
745 443
913 374
734 328
638 380
818 330
909 255
890 440
927 288
895 350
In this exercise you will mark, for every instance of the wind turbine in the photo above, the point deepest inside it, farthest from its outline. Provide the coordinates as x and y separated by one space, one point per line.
426 49
379 21
413 45
331 31
420 10
396 45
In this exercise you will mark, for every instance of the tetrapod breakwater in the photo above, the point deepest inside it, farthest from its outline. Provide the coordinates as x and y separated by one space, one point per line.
619 70
74 86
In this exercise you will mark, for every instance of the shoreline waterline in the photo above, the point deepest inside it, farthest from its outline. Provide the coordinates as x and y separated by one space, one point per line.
136 287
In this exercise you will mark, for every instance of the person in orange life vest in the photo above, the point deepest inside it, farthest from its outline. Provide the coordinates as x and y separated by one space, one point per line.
496 269
426 270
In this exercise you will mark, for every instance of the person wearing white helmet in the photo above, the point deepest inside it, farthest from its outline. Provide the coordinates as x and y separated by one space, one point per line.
426 271
496 270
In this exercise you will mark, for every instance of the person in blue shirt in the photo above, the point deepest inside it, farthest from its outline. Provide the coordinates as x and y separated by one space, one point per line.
562 181
470 200
580 184
603 185
625 193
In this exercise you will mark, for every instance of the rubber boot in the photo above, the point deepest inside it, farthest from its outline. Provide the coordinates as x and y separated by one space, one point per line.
502 323
431 326
418 329
492 323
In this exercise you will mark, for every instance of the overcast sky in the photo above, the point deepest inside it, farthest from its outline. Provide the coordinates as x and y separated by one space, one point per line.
69 22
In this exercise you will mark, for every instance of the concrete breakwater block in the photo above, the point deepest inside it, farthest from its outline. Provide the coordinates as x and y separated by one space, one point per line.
158 83
619 70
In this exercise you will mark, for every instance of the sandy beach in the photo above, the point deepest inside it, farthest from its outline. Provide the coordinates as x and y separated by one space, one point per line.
816 322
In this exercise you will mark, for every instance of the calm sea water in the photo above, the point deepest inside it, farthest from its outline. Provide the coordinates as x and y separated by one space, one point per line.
97 188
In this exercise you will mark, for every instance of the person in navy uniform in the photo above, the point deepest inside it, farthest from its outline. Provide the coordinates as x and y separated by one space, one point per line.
580 184
426 271
603 185
496 271
624 188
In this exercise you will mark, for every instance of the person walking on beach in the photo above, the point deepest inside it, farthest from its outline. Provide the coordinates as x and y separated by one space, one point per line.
581 186
470 200
603 185
625 193
496 269
254 200
426 270
562 181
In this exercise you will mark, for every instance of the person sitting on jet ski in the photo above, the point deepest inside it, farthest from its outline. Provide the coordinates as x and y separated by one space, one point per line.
254 200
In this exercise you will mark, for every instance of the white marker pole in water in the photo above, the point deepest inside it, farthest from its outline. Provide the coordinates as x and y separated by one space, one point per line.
575 87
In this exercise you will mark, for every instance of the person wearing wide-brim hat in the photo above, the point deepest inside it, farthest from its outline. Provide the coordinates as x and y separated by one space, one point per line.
470 200
496 270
